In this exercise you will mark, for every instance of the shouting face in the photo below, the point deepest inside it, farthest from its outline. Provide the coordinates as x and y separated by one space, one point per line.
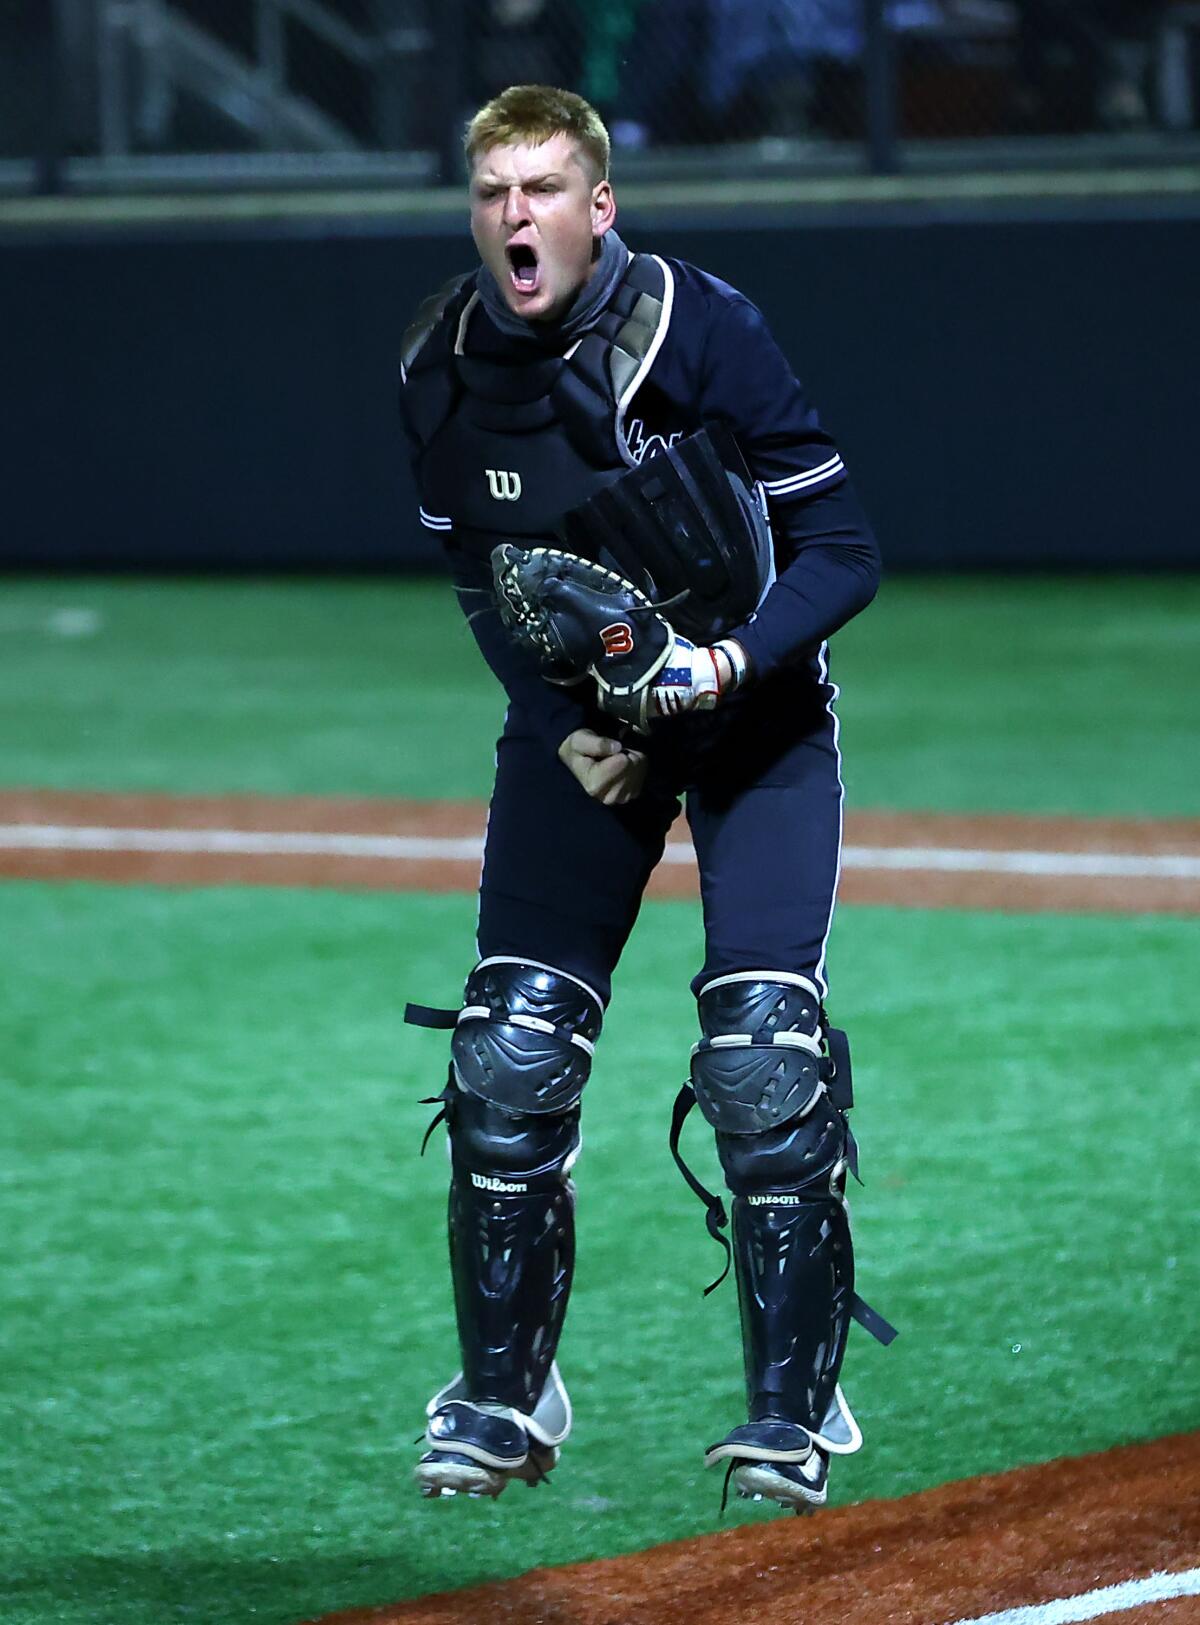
536 216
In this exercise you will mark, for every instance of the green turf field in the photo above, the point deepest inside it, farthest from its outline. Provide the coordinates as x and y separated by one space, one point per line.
969 693
224 1300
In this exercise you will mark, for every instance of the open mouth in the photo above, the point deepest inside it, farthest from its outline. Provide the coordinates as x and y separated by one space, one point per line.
523 267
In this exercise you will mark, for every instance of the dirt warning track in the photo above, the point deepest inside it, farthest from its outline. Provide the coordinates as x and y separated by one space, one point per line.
1036 1546
926 860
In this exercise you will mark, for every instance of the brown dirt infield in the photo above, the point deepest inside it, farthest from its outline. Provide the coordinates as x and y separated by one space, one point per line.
952 1553
910 886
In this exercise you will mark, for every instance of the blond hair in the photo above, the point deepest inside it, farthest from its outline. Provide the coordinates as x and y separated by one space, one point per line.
530 114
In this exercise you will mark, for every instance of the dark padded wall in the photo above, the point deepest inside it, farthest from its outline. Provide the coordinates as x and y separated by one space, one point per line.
1007 395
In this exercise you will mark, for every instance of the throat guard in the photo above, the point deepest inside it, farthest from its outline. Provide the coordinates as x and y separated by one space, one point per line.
688 524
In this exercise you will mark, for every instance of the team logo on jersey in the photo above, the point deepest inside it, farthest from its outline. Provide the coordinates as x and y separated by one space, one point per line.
642 445
617 638
504 484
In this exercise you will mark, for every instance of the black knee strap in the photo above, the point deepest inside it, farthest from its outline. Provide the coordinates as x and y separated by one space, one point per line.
717 1220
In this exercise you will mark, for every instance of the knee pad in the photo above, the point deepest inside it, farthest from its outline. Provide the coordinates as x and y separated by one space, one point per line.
761 1079
525 1036
759 1062
521 1054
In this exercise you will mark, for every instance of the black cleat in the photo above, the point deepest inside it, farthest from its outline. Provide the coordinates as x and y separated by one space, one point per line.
476 1448
774 1460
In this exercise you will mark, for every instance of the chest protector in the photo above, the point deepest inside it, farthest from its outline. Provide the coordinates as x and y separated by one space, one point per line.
507 446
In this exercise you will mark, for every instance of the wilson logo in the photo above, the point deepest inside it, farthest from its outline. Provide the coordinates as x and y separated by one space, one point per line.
485 1182
617 638
771 1201
504 484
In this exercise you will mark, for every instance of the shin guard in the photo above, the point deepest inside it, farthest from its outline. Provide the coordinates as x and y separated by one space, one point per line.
775 1086
521 1053
512 1256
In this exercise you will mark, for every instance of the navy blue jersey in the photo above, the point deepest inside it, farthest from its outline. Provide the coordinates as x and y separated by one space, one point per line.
718 363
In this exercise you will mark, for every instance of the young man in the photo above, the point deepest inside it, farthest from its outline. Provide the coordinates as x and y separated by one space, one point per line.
558 369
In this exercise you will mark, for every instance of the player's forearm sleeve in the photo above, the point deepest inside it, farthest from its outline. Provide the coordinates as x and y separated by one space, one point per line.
833 574
827 556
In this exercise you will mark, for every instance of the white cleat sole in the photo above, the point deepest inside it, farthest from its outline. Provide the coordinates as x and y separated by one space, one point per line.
757 1482
446 1478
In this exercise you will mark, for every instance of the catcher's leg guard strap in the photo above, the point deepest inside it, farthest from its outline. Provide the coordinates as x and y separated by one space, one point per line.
430 1015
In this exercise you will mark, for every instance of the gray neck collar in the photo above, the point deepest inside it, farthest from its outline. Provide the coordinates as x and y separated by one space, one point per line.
589 304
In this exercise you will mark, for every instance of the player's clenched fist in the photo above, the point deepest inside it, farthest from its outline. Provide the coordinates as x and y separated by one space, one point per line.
611 773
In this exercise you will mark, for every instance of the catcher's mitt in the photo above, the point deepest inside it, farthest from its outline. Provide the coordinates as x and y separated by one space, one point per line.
577 618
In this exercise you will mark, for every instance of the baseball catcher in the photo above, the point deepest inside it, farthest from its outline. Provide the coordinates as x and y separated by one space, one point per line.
652 539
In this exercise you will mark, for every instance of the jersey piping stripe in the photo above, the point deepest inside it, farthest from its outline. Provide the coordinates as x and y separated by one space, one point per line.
431 521
483 854
801 482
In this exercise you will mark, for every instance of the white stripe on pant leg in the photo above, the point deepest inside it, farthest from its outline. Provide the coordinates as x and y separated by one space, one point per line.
487 824
1112 1599
823 666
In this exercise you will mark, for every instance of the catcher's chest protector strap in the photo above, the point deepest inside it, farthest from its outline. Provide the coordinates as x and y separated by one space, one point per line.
506 446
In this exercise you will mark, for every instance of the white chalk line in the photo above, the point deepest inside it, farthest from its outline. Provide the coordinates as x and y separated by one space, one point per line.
1112 1599
469 849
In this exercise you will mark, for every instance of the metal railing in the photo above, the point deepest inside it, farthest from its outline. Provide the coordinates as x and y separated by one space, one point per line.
151 51
217 93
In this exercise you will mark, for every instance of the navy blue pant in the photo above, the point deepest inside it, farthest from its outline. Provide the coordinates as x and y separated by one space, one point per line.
563 876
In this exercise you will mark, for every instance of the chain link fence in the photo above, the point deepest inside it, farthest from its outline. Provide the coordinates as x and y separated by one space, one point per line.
124 92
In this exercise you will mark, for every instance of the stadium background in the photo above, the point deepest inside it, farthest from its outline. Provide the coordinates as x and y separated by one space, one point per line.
976 230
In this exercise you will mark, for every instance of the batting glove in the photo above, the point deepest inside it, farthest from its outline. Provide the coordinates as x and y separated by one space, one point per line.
692 678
